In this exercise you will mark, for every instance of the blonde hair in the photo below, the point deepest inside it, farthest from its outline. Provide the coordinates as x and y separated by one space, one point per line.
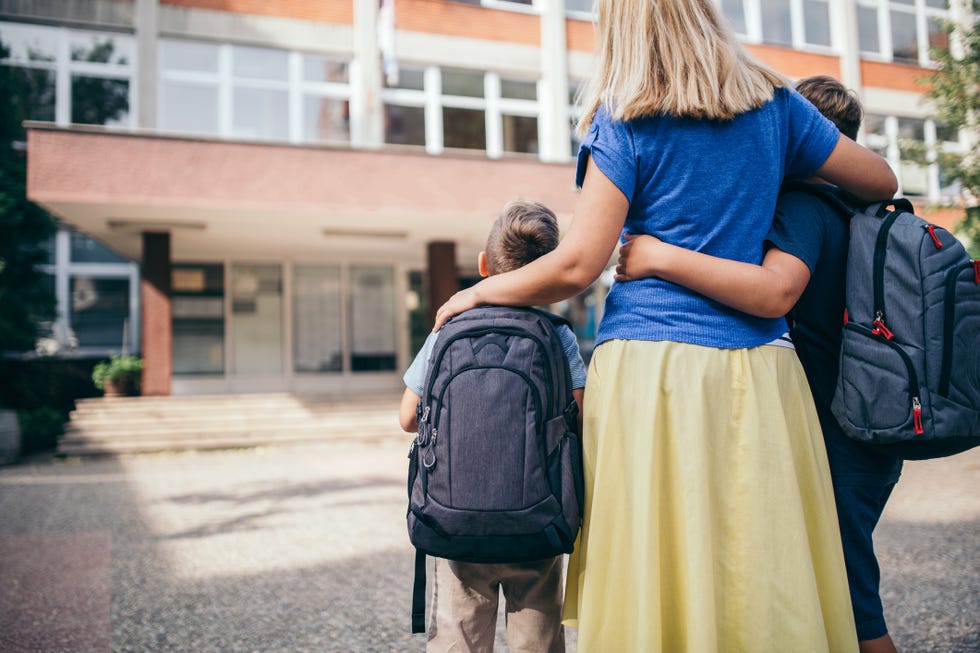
522 232
672 57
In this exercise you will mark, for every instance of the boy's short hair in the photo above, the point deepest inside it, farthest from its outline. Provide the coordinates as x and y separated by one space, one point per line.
522 232
834 101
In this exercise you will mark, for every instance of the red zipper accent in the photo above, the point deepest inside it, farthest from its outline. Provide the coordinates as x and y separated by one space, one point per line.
881 330
917 416
978 281
976 272
932 232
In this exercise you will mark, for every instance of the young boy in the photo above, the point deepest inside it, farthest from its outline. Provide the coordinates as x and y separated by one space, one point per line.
464 596
804 266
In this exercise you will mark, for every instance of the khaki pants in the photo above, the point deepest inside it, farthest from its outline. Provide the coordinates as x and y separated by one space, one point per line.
464 606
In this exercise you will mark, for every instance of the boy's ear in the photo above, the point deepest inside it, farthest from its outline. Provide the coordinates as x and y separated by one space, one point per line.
481 263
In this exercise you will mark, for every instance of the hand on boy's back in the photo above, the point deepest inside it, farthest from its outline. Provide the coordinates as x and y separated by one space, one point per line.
462 301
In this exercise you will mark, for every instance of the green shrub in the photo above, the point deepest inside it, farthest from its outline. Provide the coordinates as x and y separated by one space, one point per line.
40 429
120 370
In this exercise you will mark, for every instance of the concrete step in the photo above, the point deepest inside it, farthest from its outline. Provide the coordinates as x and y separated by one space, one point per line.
133 428
133 446
145 424
180 419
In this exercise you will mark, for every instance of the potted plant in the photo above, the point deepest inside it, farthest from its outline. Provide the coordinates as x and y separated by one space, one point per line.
119 376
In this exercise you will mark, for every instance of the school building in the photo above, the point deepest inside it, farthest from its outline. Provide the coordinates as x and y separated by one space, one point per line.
273 195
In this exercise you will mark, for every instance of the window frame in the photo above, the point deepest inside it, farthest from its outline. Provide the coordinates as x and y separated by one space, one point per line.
294 85
65 68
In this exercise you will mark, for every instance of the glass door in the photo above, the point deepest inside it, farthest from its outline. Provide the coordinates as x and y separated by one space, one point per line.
256 316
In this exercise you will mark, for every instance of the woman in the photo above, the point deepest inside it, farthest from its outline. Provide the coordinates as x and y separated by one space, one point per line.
709 520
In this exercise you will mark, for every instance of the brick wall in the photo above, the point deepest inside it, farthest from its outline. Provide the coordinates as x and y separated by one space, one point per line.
455 19
895 76
329 11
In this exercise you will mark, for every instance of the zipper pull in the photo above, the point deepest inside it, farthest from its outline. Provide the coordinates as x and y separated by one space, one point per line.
880 328
917 416
932 232
976 271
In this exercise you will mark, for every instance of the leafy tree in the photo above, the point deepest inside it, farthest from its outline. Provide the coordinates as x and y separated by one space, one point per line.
25 299
955 88
25 296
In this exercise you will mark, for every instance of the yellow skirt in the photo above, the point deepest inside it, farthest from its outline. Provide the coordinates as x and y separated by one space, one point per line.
709 512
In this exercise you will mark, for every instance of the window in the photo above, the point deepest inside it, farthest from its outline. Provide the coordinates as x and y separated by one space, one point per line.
372 319
318 344
256 309
901 30
462 109
98 67
580 6
198 318
404 108
463 117
893 137
777 24
254 93
796 23
100 312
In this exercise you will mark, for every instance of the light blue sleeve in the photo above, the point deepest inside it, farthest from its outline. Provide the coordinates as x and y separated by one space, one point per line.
415 374
575 363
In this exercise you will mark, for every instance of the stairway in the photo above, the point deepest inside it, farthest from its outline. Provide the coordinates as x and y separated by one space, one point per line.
121 425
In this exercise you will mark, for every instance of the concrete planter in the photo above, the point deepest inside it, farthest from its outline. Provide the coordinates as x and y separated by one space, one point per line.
9 437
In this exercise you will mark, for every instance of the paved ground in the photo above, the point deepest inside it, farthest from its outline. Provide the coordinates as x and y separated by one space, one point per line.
303 549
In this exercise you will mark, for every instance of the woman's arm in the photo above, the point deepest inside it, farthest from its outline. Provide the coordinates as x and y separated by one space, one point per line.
767 290
568 270
859 171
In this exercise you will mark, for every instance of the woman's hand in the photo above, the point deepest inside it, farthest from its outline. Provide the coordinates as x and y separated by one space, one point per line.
639 256
461 301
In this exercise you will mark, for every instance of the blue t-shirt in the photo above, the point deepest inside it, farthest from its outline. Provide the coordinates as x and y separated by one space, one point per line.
708 186
811 231
415 375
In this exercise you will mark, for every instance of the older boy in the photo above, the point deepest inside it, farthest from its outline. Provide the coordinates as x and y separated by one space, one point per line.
804 271
465 594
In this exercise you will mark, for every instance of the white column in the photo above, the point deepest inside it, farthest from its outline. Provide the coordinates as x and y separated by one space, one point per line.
147 35
553 120
493 119
433 110
368 85
844 39
62 285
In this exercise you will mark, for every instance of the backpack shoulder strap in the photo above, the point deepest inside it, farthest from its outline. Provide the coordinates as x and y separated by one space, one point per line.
825 194
556 320
418 594
880 209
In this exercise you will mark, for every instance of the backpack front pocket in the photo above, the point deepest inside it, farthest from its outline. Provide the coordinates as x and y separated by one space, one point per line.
877 397
959 377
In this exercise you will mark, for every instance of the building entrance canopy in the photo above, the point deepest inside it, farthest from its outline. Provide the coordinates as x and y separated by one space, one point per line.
221 199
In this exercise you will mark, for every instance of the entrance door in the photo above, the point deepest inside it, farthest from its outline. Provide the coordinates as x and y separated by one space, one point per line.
256 316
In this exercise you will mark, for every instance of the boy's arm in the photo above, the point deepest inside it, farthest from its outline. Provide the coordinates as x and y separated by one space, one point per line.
767 290
406 411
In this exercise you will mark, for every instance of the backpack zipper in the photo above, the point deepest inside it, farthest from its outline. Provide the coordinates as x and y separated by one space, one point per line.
881 248
910 369
950 315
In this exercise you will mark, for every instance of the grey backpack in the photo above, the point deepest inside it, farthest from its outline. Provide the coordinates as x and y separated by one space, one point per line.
910 357
495 473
